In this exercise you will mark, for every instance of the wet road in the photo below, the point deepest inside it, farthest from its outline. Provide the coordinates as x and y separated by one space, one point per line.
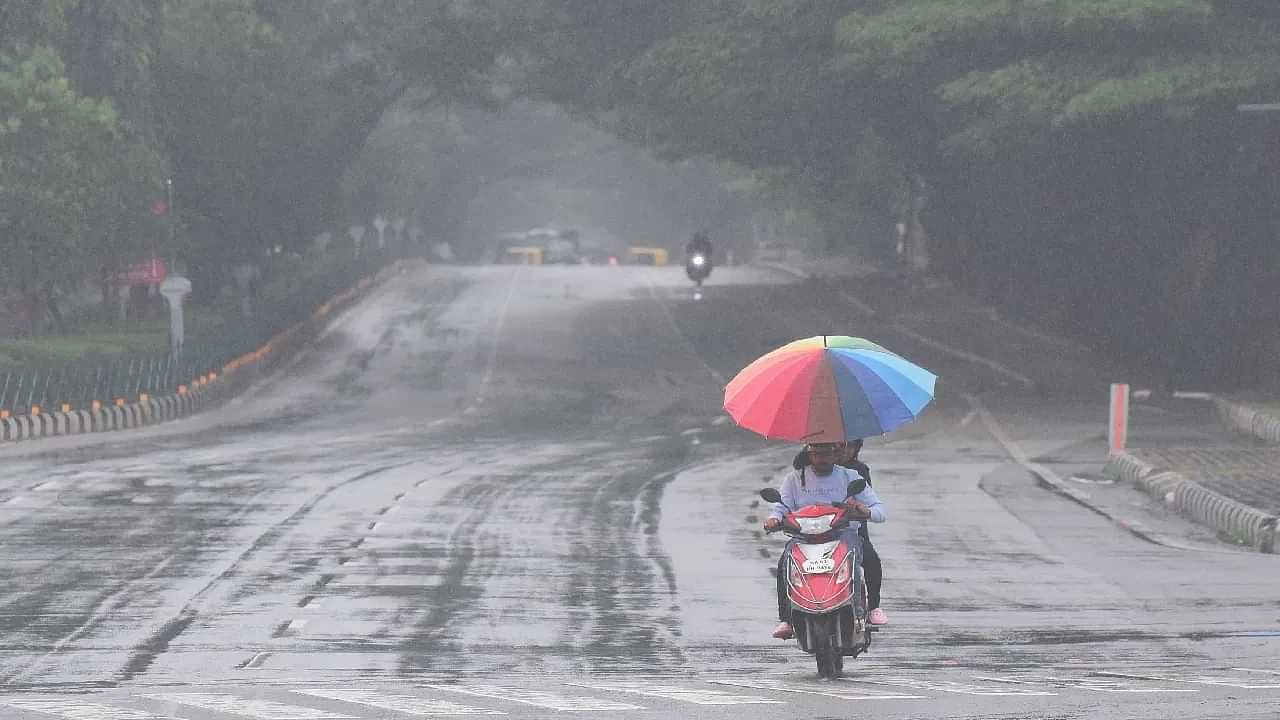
512 491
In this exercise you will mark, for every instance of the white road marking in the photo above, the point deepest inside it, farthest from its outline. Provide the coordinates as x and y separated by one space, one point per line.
816 689
1097 684
295 625
869 311
675 327
965 355
75 710
949 686
536 698
493 347
259 709
720 420
689 695
1255 670
1242 683
407 704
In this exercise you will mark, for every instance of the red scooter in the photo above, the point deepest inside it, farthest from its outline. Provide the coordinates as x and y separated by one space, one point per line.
824 583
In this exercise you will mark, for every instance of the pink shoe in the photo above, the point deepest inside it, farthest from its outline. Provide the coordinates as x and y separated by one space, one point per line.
783 631
877 617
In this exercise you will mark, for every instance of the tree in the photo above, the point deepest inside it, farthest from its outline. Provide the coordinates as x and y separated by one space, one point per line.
50 152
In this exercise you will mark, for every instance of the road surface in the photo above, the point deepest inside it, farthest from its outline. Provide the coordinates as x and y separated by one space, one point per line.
512 491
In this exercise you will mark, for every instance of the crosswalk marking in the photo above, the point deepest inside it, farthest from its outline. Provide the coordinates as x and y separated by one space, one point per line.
697 697
75 710
950 686
537 698
407 704
1242 683
816 689
1096 684
257 709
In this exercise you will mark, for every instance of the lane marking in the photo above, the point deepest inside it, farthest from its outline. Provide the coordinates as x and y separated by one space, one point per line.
815 689
537 698
870 312
689 695
1242 683
950 686
675 326
74 710
965 355
259 709
493 347
1255 670
406 704
1096 684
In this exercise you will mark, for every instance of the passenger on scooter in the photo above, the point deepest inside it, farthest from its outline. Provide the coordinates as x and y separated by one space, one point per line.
873 570
820 482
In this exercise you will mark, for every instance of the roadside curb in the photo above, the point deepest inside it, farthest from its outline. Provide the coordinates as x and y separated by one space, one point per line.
1232 518
1248 420
201 392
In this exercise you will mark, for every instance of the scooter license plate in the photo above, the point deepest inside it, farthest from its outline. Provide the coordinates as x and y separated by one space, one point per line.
821 565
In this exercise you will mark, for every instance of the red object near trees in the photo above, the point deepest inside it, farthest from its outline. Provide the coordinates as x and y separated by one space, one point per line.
151 272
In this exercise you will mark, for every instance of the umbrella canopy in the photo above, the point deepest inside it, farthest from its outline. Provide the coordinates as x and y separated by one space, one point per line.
828 388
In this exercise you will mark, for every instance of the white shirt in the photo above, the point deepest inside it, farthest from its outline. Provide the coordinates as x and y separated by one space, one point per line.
818 489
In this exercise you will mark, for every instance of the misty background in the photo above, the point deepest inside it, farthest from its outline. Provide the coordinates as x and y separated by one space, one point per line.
1106 170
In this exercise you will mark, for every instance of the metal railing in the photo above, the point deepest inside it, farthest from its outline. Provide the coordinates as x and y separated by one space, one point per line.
128 377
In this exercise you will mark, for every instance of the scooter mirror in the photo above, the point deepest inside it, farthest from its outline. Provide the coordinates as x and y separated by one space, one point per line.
771 495
856 487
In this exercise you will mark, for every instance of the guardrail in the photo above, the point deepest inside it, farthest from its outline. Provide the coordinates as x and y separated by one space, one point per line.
126 379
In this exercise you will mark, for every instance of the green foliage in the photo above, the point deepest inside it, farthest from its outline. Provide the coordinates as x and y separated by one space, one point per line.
51 149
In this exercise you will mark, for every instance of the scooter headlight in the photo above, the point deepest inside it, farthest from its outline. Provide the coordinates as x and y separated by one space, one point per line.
698 261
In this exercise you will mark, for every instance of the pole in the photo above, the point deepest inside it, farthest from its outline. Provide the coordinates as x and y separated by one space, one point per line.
1118 422
173 250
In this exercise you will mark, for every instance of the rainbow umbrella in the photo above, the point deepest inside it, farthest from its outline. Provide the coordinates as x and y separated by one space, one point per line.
828 388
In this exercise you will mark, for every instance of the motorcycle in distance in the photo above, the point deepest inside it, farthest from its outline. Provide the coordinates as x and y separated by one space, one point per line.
824 582
698 267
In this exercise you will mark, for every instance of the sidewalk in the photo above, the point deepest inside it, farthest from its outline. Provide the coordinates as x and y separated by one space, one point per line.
1213 469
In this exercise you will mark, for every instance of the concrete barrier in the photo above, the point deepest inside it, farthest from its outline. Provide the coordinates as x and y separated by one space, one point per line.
1248 420
1224 515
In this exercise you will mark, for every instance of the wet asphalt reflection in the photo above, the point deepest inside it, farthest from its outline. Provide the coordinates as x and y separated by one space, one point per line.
498 490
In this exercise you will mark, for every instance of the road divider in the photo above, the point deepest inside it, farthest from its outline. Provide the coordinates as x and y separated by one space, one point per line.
200 393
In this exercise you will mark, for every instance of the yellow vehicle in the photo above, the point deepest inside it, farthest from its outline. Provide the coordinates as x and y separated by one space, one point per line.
522 255
647 255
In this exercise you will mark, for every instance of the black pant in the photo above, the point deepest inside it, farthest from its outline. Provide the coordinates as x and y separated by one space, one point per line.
872 572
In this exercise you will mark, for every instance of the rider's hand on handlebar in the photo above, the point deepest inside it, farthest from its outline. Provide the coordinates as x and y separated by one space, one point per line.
772 523
859 510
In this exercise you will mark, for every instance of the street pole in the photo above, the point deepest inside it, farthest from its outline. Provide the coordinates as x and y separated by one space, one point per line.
173 249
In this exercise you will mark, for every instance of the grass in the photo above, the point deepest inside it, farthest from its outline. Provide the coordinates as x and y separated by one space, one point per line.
294 291
94 339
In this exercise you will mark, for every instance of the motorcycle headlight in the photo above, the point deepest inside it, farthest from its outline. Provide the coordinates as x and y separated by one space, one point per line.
699 261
